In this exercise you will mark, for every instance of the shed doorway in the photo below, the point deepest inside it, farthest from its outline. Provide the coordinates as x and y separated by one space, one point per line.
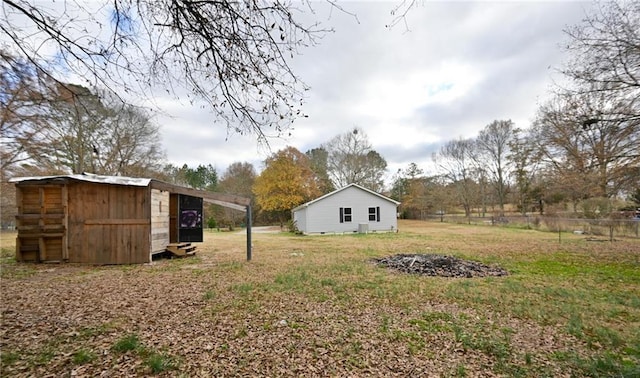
186 221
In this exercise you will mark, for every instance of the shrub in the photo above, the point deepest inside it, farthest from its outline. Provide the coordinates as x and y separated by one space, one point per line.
292 226
594 208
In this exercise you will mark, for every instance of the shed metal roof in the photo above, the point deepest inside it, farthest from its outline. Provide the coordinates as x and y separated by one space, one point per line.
90 177
226 200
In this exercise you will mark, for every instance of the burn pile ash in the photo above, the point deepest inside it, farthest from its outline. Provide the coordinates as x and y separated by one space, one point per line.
439 265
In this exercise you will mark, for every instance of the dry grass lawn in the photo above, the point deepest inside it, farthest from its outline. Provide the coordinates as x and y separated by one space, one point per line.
315 306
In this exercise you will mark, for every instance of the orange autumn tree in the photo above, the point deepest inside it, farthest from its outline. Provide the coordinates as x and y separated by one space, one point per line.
286 182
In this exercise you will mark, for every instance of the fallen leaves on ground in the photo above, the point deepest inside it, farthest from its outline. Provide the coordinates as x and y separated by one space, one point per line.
217 315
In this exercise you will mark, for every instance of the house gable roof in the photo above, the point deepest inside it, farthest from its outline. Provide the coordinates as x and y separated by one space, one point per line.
344 188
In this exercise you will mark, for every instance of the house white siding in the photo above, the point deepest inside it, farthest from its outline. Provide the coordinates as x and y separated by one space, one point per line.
324 214
300 219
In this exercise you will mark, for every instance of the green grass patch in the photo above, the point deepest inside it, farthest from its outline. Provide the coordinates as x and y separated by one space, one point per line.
233 266
604 364
160 362
242 288
44 355
13 270
486 340
127 343
293 281
83 356
7 255
209 295
89 332
434 322
157 362
9 357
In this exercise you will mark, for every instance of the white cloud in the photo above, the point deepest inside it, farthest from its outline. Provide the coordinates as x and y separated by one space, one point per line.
453 69
457 68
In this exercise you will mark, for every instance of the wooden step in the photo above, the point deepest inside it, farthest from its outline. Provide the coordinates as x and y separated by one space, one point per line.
182 249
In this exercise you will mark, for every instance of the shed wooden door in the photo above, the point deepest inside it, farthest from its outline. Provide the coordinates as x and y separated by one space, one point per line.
109 224
42 223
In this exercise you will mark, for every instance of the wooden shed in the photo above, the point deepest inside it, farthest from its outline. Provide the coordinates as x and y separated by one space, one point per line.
107 219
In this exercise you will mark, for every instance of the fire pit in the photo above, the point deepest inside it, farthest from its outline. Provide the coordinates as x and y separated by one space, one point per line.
439 265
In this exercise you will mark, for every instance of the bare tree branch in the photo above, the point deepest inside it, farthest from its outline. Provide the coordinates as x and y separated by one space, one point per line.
232 56
605 55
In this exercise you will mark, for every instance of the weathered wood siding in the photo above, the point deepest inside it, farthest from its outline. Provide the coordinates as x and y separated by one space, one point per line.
159 220
109 224
41 223
173 218
97 219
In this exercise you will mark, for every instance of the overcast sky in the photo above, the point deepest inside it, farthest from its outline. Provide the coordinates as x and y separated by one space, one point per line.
454 68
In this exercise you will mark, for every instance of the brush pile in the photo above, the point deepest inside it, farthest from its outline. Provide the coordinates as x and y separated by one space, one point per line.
439 265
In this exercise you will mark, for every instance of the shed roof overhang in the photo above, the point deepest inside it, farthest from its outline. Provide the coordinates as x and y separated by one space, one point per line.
226 200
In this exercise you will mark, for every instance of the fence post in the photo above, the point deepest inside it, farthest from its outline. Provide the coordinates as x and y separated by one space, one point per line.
611 232
559 233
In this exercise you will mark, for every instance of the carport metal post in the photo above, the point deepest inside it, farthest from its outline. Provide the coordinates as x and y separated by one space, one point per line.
249 233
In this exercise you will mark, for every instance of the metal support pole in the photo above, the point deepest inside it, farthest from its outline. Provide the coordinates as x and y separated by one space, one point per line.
249 233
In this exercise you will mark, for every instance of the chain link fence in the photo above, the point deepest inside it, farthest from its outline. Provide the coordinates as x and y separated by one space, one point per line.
609 228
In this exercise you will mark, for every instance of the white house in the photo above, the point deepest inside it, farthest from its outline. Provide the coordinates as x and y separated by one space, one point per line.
349 209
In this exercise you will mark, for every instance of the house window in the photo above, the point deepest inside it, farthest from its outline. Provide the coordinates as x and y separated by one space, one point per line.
374 214
345 214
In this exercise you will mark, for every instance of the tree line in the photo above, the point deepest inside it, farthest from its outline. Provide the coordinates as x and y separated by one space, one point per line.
290 178
507 165
582 148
